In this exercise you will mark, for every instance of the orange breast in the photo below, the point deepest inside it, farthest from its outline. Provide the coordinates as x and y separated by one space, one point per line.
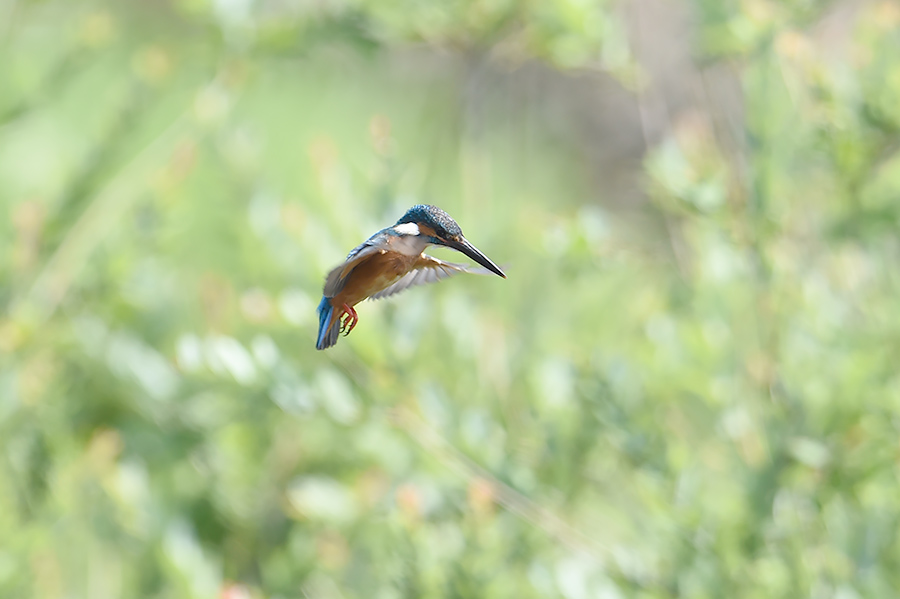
372 275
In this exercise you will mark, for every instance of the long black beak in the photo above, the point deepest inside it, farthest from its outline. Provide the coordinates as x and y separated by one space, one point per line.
474 253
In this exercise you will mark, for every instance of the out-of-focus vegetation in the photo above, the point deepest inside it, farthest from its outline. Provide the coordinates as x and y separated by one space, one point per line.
701 402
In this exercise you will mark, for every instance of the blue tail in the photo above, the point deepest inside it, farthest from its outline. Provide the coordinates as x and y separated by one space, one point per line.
327 336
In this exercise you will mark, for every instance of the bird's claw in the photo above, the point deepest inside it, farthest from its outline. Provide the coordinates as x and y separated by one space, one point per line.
350 318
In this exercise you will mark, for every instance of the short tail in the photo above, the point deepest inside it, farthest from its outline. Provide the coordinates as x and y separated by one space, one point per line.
328 335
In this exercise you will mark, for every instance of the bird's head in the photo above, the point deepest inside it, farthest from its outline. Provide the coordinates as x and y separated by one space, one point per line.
441 229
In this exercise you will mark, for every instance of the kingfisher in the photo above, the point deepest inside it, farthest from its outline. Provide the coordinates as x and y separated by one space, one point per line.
390 261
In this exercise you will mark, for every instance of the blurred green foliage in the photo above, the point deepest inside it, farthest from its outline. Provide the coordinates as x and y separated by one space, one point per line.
719 418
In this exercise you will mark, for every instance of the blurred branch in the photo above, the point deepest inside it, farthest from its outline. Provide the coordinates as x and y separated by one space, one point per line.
527 509
109 203
100 159
55 79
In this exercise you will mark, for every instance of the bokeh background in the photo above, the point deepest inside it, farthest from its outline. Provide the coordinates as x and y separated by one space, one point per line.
687 387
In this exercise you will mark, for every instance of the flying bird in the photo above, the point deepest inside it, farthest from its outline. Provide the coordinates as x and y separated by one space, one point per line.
390 261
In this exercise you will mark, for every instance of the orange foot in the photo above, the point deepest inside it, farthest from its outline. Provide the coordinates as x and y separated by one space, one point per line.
349 323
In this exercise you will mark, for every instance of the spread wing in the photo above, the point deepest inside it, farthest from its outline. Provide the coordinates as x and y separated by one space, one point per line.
335 280
427 270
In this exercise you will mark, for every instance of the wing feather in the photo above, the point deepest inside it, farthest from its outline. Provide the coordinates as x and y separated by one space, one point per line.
428 270
335 280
